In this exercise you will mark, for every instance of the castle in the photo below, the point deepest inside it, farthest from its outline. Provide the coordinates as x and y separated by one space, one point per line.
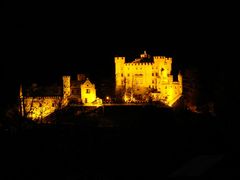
80 91
147 79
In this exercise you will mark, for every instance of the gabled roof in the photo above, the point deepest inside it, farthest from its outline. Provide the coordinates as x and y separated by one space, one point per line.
87 83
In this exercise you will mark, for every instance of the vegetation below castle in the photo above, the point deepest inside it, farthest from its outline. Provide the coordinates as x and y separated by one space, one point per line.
141 138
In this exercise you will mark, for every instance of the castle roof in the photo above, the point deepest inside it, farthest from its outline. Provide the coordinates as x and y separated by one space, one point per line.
77 83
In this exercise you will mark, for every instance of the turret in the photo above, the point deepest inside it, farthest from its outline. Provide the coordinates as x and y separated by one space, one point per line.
81 77
66 86
119 76
119 63
163 62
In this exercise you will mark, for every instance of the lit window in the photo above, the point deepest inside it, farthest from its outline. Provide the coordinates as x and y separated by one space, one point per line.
87 91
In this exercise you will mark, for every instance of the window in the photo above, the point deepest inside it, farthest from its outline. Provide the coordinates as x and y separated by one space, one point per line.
87 91
128 74
152 74
152 81
53 105
122 75
156 74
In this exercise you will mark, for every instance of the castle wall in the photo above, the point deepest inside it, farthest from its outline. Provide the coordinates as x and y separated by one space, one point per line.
41 107
141 76
138 78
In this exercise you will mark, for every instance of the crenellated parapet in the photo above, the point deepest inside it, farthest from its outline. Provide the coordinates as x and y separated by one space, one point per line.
139 64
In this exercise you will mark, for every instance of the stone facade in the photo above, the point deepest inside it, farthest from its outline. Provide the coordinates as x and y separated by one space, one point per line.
79 92
147 78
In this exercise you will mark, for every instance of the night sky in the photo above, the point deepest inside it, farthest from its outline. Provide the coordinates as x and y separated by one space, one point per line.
44 41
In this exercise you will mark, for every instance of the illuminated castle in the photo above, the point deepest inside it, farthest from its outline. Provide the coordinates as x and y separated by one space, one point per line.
80 91
147 79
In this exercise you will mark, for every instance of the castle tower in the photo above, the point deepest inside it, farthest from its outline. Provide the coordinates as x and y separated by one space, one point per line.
164 65
81 77
119 77
169 65
144 55
66 86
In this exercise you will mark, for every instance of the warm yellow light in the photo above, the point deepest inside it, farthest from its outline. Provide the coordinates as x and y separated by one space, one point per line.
147 80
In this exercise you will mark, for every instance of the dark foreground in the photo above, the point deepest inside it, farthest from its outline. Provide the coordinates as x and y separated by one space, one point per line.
132 142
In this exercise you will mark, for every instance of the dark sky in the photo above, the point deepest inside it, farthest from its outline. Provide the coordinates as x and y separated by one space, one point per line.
43 41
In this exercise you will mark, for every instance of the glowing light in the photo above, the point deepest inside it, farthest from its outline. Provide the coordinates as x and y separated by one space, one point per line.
41 107
146 80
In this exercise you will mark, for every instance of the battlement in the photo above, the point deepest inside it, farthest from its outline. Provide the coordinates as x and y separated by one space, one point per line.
119 59
162 58
139 64
66 77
